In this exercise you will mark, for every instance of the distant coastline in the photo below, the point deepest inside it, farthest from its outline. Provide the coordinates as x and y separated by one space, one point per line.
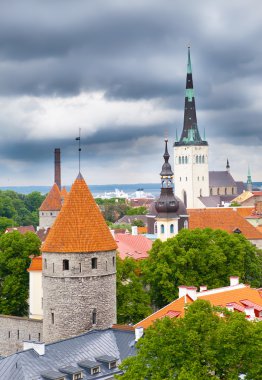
152 188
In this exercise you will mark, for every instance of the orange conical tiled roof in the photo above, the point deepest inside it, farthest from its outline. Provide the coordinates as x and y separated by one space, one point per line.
64 193
53 200
80 226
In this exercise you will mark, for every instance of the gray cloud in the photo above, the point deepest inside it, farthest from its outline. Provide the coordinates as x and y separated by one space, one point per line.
131 52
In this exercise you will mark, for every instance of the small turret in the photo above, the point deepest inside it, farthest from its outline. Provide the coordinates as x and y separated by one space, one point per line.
249 180
228 166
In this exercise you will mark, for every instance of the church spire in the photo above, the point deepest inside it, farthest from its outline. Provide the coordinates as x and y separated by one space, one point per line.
249 180
190 134
228 166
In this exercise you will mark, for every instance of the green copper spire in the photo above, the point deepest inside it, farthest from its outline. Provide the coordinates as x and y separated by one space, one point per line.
249 180
190 134
189 67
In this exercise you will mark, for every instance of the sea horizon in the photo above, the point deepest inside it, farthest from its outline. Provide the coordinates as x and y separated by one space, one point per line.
148 188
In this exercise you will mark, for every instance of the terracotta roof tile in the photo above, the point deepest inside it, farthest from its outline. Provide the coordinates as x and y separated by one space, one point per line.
222 218
36 264
53 200
135 246
174 309
80 226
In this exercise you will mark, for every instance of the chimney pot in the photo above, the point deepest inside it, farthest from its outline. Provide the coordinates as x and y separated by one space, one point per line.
202 288
234 280
39 347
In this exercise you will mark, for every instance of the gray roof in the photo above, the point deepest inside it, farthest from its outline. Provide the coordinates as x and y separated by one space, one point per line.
129 219
221 179
28 365
216 200
240 187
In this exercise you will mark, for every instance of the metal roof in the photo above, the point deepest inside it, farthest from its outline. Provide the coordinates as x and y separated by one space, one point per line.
28 365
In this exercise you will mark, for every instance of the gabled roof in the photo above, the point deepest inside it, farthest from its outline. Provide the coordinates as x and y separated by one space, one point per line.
223 218
237 296
36 264
221 179
28 365
135 246
80 226
53 200
22 229
173 310
243 197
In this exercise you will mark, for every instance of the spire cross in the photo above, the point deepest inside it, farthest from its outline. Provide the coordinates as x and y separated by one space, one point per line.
79 149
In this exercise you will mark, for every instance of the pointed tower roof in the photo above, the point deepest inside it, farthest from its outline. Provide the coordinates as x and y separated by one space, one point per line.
190 134
53 200
80 226
166 168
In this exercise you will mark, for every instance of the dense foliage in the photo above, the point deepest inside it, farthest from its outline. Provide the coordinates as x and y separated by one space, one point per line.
15 250
200 346
19 209
200 257
133 302
137 211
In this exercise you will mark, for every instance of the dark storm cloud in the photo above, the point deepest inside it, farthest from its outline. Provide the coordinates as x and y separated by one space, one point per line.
132 51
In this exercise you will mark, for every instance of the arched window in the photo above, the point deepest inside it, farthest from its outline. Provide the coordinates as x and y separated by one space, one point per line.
225 191
113 259
171 228
200 193
203 159
162 228
65 264
203 178
186 160
185 198
218 191
183 160
198 178
197 159
211 191
232 190
179 160
186 178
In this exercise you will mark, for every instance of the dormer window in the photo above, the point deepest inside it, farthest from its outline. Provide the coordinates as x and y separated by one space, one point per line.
95 370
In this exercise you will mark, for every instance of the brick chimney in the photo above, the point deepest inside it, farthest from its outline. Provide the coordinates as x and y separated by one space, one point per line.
57 168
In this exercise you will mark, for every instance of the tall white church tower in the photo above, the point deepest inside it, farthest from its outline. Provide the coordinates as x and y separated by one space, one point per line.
191 153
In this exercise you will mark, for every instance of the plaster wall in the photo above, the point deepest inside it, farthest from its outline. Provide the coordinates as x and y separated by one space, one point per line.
35 295
14 330
191 178
164 233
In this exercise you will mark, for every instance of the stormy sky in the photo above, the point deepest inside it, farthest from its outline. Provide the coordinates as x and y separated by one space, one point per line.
116 69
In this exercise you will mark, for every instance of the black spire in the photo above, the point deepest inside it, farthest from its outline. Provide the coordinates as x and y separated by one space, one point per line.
228 166
167 202
190 134
166 168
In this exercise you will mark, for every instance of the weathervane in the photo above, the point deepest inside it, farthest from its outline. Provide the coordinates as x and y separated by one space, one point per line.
79 148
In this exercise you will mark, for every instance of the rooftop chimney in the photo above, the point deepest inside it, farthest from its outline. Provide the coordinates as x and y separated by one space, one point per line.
202 288
134 230
57 168
234 280
139 332
39 347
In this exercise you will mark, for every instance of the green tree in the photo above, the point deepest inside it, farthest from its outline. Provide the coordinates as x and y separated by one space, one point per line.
133 302
5 223
138 223
141 210
34 200
200 257
15 250
200 346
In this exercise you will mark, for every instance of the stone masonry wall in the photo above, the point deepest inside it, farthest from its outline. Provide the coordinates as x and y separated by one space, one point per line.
71 297
14 330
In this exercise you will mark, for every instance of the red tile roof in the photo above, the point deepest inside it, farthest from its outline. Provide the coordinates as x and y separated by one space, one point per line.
53 200
21 229
174 309
42 233
135 246
36 264
80 226
237 296
223 218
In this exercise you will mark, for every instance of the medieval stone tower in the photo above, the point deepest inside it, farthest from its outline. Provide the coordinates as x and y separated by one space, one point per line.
191 153
79 269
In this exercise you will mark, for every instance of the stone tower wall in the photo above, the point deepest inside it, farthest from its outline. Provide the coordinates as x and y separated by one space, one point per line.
72 296
47 218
